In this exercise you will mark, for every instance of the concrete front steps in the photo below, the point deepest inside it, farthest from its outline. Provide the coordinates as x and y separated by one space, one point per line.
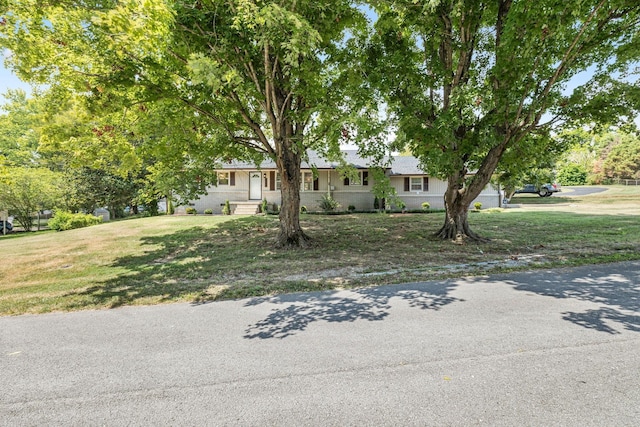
245 208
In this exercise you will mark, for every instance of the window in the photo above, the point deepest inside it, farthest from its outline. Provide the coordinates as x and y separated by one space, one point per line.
226 178
361 178
275 181
307 181
223 178
416 183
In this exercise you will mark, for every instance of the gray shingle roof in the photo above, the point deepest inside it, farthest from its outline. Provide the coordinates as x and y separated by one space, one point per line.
401 165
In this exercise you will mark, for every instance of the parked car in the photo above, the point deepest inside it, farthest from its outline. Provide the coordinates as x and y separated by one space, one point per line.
8 225
545 190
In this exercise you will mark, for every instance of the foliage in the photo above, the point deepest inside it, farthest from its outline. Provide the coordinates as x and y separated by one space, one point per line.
25 191
328 203
188 85
89 189
208 211
191 210
426 206
226 210
351 208
479 86
303 209
572 174
264 206
65 220
623 159
19 135
477 206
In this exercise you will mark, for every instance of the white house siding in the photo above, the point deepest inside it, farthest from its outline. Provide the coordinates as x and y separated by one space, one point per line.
330 182
216 196
490 198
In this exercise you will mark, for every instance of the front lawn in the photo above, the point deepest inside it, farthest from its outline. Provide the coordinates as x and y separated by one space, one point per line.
204 258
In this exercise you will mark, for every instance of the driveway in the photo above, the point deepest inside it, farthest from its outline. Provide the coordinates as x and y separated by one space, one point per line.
543 348
580 191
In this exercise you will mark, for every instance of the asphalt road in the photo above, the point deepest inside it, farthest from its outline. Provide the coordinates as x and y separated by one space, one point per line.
545 348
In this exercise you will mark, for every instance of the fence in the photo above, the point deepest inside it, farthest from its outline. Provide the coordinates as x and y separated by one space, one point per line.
627 181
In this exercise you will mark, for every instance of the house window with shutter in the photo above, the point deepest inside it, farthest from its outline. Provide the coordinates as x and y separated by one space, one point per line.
275 181
361 178
223 178
278 181
308 183
416 183
226 178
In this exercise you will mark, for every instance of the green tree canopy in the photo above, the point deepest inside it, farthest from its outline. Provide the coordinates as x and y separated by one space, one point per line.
19 130
26 191
479 85
623 158
245 79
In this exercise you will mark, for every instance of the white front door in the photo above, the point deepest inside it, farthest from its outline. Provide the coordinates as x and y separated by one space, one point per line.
255 185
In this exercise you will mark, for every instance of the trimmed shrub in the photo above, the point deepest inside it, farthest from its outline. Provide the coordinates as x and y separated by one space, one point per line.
351 208
208 211
303 209
477 206
426 206
226 210
191 211
64 220
264 207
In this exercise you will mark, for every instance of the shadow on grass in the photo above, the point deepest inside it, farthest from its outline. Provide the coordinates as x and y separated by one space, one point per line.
179 265
372 304
617 293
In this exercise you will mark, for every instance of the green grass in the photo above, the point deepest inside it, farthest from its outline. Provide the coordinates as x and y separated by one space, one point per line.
203 258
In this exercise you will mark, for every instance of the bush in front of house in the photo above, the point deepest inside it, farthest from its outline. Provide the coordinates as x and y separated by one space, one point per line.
425 206
64 220
477 206
191 211
208 211
328 203
351 208
264 207
226 210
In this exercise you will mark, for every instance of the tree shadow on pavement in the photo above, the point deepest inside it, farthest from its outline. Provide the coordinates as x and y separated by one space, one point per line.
618 295
371 304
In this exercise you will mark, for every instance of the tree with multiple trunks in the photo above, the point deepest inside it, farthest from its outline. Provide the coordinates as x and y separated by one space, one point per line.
479 86
247 79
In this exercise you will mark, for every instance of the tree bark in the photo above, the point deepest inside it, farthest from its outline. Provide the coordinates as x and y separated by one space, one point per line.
456 222
290 234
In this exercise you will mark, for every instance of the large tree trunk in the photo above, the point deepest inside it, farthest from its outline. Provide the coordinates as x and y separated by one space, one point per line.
291 234
456 221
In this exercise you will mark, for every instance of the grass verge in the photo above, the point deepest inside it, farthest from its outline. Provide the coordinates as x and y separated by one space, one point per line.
205 258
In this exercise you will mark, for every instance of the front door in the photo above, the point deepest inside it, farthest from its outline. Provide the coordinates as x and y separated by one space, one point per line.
255 186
